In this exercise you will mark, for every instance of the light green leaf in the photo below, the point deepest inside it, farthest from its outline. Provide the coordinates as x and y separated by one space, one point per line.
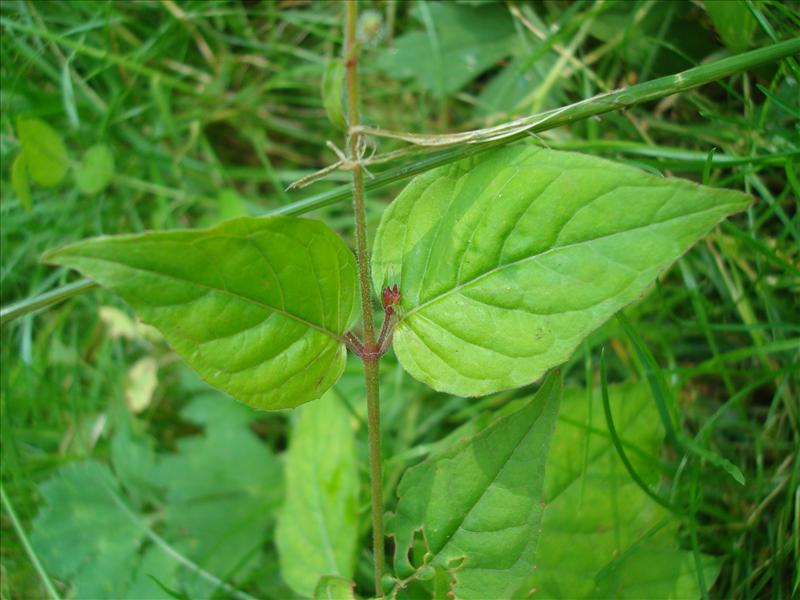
479 503
332 83
602 536
734 22
334 588
506 261
19 181
256 306
96 170
82 535
45 154
459 43
317 530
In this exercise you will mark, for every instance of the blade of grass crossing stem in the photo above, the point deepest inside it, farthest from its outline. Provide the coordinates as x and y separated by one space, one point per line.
612 430
602 103
23 538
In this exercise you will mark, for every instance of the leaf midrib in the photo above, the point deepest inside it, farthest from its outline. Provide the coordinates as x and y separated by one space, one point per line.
230 293
532 257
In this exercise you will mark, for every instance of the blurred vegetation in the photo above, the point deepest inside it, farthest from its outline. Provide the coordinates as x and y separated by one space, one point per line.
180 114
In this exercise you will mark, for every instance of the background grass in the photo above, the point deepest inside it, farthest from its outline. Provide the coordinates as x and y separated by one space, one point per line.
212 108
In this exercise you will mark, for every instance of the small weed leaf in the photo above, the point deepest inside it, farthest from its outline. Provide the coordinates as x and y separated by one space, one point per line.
46 157
508 261
96 170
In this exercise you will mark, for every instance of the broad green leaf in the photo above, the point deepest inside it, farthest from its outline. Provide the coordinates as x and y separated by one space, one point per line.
221 491
734 22
96 170
507 260
334 588
459 42
479 503
602 535
332 83
256 306
317 530
45 154
83 536
19 181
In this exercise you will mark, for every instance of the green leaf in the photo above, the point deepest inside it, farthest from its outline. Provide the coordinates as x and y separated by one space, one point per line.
506 261
602 535
734 22
221 491
45 154
478 504
256 306
334 588
96 170
332 83
460 43
317 530
19 181
83 536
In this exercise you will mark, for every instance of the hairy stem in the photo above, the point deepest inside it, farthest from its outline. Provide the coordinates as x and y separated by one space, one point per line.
370 358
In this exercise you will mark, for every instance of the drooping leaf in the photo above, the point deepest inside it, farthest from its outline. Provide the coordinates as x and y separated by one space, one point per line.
19 181
734 22
83 536
459 42
317 530
506 261
478 504
140 384
95 170
334 588
332 85
221 491
602 535
256 306
45 154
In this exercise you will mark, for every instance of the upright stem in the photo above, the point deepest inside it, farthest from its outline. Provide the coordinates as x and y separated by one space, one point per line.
371 359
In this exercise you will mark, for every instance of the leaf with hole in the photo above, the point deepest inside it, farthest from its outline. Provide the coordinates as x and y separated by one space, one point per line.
317 532
508 260
478 504
256 306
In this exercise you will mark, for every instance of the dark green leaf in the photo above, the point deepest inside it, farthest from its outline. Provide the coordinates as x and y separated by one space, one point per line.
479 503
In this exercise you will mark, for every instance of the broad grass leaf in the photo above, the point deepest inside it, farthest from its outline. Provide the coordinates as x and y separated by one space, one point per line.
256 306
317 532
602 536
45 154
508 260
96 170
478 505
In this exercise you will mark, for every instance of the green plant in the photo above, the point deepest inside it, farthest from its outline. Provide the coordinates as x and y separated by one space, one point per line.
492 270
